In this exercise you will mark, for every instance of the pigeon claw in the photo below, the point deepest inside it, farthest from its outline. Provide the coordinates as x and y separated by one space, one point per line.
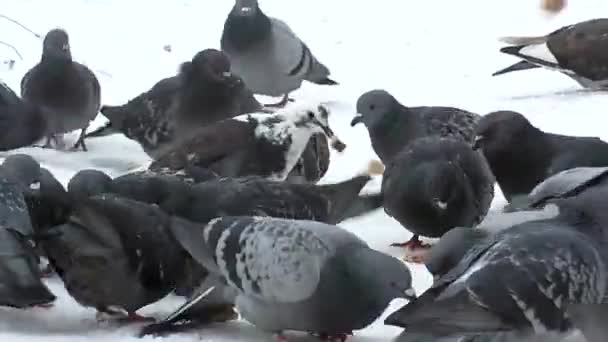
281 338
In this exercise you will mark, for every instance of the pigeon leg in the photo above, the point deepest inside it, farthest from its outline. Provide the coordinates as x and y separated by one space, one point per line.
415 250
125 317
133 317
80 141
281 103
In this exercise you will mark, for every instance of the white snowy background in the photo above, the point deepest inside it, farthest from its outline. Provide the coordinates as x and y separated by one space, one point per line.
426 52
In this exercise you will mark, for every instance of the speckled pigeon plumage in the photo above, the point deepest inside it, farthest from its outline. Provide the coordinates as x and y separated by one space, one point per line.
67 91
391 125
269 56
254 144
577 51
298 275
115 255
530 278
521 155
21 123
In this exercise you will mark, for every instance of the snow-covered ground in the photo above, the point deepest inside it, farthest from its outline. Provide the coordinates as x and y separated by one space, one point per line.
431 52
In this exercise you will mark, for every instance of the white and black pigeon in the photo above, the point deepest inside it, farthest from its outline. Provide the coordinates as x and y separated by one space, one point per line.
253 144
67 91
433 185
577 51
295 274
391 125
543 277
267 54
521 155
21 123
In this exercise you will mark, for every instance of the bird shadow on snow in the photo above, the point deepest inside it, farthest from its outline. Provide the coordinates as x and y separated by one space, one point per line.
574 92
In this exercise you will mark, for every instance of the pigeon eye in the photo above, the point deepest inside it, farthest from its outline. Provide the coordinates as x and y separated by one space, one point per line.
311 115
372 107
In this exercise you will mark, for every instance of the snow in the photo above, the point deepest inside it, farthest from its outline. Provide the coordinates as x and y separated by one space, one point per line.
431 52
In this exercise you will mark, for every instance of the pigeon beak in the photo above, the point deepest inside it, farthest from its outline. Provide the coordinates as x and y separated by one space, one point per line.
478 141
35 186
227 74
356 120
335 142
246 10
439 204
65 47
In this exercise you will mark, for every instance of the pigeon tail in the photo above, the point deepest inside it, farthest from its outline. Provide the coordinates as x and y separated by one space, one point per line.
454 315
326 81
362 205
341 196
514 40
523 65
538 54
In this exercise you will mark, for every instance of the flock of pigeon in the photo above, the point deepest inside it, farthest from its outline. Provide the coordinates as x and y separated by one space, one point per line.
229 214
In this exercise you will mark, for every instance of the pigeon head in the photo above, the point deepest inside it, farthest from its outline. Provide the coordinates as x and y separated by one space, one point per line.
316 119
209 65
450 249
391 279
23 169
56 44
245 8
373 106
87 183
498 131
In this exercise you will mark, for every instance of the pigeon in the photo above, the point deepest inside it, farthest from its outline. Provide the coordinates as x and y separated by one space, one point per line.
268 55
577 51
296 274
21 123
20 279
521 155
203 92
264 145
67 91
433 185
115 255
392 126
539 277
253 195
18 174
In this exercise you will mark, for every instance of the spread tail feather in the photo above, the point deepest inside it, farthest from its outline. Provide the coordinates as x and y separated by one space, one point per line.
523 65
513 40
454 315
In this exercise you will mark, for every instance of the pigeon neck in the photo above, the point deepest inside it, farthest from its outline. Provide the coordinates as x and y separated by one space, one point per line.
202 96
242 32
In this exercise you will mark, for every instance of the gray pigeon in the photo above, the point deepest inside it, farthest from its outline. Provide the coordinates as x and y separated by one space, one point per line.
267 53
521 155
539 205
21 123
68 92
392 126
329 203
253 144
204 91
18 175
433 185
115 255
539 277
577 51
296 275
20 283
